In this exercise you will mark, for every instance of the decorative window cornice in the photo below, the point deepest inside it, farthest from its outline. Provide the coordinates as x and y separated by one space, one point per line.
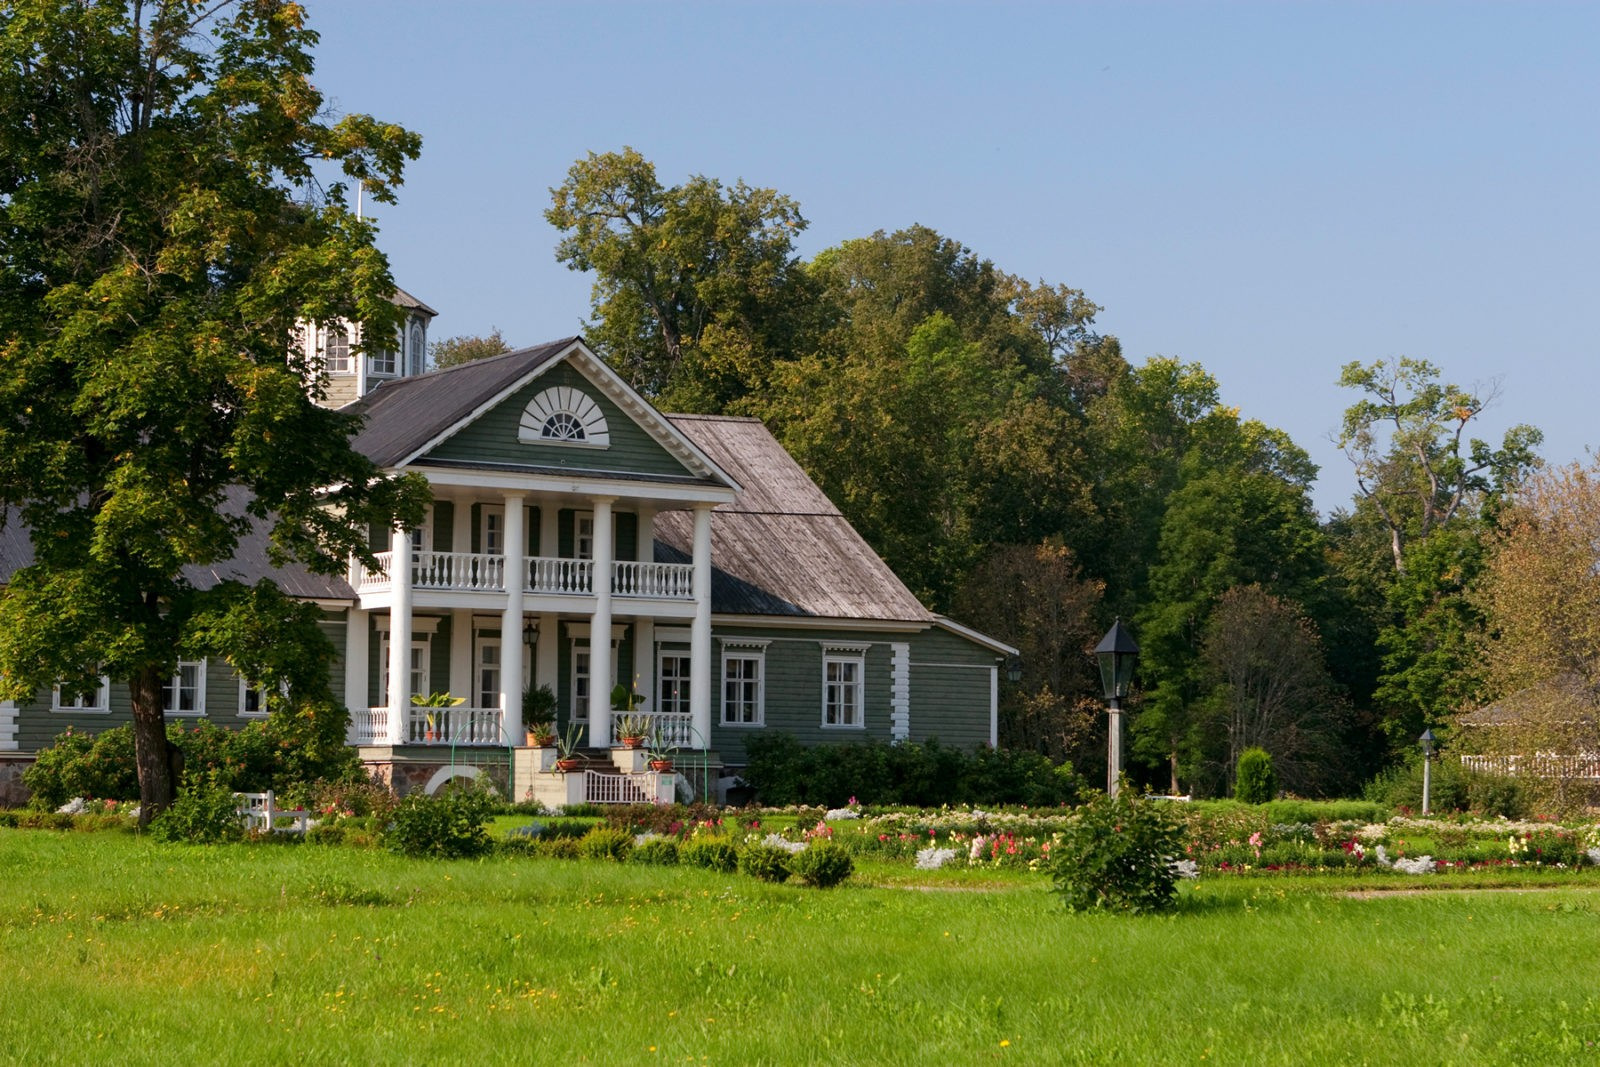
563 415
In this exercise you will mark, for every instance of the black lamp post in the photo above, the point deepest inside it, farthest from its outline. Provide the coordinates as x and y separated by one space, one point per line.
530 633
1116 652
1427 741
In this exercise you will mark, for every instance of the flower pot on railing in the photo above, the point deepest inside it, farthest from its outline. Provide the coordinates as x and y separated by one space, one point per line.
661 766
568 764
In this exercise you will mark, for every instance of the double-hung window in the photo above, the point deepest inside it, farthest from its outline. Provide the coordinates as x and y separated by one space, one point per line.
185 692
252 700
94 701
743 685
672 683
844 669
336 350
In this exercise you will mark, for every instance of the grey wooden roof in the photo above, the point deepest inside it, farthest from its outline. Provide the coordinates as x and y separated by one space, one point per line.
782 548
249 563
405 414
406 300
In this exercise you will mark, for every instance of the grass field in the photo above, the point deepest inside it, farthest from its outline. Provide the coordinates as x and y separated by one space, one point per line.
121 951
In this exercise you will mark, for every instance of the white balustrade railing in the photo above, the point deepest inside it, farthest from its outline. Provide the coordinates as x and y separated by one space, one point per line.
667 581
469 571
459 725
601 788
667 729
1540 765
369 726
483 572
570 576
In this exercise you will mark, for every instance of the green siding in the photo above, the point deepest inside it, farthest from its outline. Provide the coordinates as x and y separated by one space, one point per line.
444 517
493 436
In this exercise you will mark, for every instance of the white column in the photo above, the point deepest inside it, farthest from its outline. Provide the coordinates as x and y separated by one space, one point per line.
462 683
461 526
399 634
600 681
516 551
700 633
549 534
644 631
357 658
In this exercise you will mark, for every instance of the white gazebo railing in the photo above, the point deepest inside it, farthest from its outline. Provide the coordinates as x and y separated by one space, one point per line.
1539 765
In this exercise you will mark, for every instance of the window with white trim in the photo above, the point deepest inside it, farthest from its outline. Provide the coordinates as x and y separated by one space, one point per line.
486 673
419 668
336 350
185 692
843 674
416 349
384 363
252 700
672 683
97 701
583 535
580 682
564 415
744 687
491 530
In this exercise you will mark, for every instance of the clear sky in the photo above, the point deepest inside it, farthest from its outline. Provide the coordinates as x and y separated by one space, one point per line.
1271 190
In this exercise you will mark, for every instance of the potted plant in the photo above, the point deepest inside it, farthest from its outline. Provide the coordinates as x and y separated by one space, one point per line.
567 749
435 700
659 756
541 733
633 728
539 703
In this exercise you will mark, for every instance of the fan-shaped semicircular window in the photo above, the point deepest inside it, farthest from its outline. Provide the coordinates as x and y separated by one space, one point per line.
564 415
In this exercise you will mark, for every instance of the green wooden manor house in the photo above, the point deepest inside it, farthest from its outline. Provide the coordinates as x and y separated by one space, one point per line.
579 539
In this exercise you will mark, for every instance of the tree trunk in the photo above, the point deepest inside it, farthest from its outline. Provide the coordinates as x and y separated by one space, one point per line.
151 750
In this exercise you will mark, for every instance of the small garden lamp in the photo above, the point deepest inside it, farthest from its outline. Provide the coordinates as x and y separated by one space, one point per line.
1116 652
1014 669
1427 741
530 633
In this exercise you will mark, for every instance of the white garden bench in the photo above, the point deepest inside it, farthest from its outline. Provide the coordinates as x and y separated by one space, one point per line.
259 812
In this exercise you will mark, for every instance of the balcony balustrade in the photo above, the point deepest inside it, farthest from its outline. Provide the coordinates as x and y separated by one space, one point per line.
479 572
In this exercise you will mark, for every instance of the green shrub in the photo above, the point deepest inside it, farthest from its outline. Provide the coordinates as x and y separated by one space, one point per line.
1254 781
346 798
1401 787
769 863
204 812
659 851
78 764
448 826
712 853
1495 794
823 864
1315 811
605 843
1117 855
925 774
326 833
559 847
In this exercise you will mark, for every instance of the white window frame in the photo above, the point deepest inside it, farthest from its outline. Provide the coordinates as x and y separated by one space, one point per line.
422 536
678 703
582 543
483 696
421 670
172 691
580 682
851 715
752 653
497 528
102 705
337 364
245 689
383 363
416 348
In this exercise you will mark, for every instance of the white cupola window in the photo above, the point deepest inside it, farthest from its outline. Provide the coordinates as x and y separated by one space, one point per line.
564 415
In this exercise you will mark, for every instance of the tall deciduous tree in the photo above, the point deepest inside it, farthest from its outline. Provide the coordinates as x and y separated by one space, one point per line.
163 232
694 288
453 351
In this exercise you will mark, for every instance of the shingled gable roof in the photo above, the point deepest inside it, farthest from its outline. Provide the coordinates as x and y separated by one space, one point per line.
782 548
408 417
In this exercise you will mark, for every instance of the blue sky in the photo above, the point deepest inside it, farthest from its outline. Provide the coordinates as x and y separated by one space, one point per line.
1271 190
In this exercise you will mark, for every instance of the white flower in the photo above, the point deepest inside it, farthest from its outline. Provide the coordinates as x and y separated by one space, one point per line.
779 842
1186 868
931 859
843 813
1417 865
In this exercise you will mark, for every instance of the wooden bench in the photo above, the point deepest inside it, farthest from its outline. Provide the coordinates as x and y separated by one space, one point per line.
260 812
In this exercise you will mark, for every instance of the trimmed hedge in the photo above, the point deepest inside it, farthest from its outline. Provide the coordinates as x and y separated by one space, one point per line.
925 775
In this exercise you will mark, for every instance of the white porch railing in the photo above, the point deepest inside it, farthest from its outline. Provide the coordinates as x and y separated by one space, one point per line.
369 726
454 726
562 576
601 788
666 581
667 729
480 572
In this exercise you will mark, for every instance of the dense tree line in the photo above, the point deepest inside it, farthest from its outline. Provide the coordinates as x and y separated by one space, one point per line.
1013 466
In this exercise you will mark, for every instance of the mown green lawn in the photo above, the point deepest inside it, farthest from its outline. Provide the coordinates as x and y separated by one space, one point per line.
118 950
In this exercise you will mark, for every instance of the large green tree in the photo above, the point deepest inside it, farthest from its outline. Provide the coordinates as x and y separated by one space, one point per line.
696 285
162 232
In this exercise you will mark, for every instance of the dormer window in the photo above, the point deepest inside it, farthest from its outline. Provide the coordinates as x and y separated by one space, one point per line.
564 415
384 362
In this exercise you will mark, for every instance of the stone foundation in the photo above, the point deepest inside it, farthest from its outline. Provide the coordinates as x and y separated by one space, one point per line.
13 794
403 774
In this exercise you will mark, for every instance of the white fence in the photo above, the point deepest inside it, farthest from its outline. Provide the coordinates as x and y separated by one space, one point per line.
479 572
1539 765
602 788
